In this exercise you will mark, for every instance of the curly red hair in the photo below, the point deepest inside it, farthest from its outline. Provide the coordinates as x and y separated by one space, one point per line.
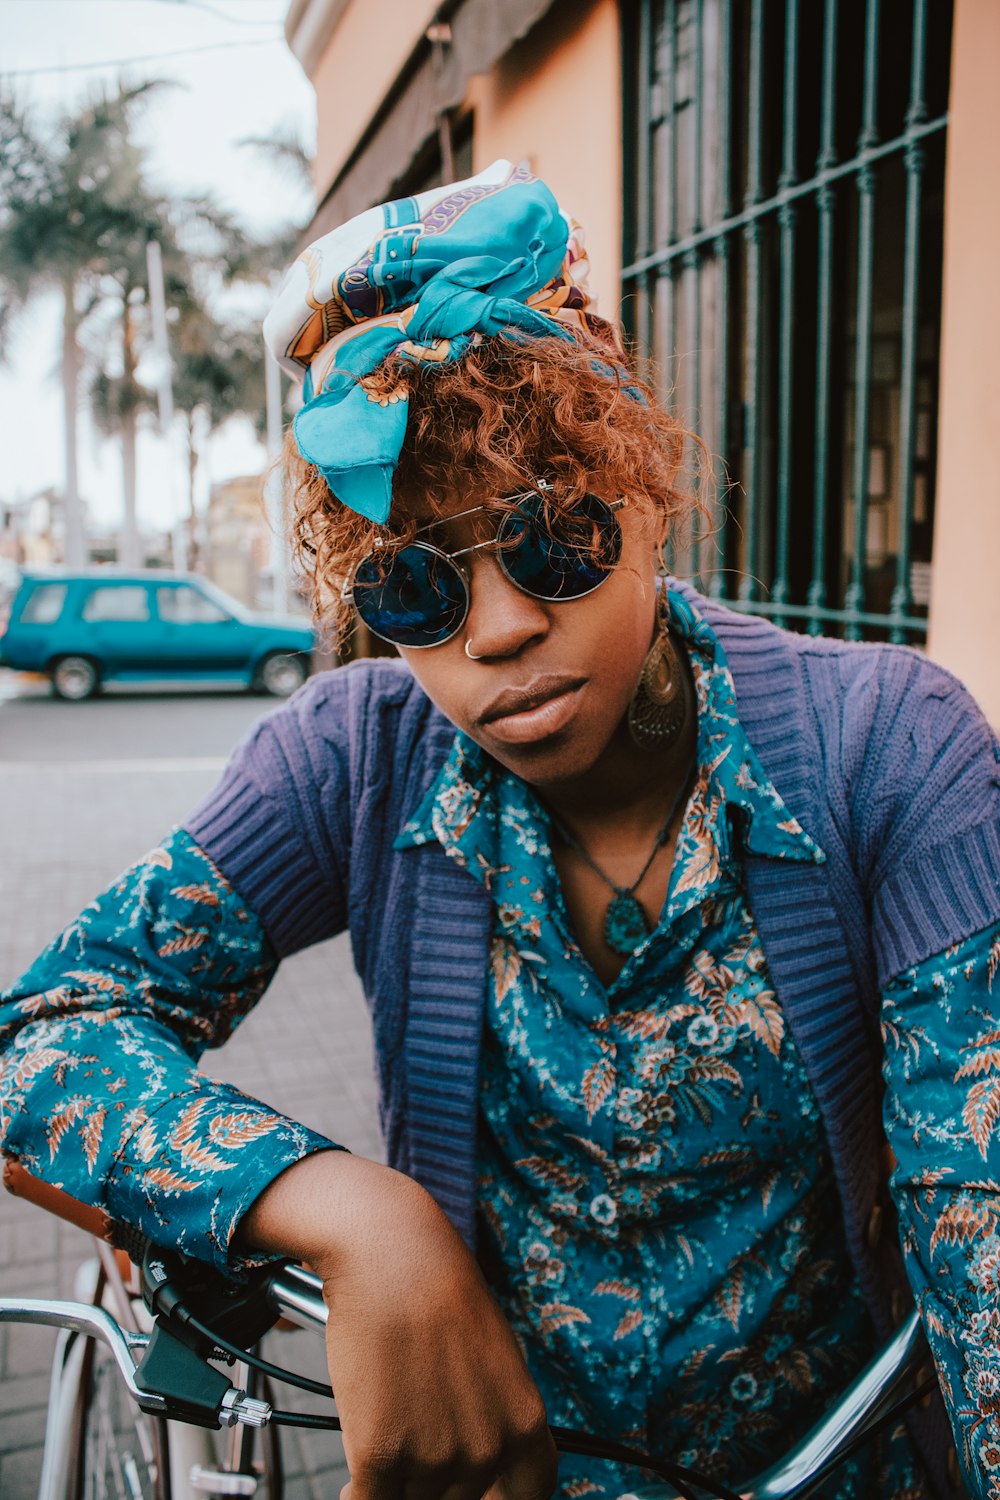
512 409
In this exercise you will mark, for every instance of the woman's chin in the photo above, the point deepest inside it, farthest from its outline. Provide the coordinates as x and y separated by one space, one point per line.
563 756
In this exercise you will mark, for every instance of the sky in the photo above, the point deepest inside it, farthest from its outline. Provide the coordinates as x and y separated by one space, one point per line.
237 78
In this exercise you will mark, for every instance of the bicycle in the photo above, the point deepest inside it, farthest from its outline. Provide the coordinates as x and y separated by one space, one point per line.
155 1325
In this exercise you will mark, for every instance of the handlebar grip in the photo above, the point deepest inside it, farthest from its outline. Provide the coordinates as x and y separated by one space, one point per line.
86 1216
19 1181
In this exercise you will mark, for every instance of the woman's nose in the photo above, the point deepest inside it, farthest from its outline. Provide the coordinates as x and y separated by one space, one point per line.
502 619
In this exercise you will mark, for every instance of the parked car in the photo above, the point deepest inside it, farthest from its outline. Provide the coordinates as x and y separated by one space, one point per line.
103 625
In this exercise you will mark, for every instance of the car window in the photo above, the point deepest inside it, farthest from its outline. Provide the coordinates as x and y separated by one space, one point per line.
44 604
121 602
183 605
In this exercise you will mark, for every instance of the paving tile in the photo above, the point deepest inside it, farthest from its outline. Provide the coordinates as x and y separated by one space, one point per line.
306 1047
20 1469
35 1345
20 1394
21 1429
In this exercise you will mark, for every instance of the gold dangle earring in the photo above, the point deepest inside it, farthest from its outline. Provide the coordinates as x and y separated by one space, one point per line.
659 707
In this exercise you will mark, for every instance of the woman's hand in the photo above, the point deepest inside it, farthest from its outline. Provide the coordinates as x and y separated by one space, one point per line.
432 1391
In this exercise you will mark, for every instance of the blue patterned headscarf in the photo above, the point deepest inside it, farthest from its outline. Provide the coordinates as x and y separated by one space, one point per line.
424 278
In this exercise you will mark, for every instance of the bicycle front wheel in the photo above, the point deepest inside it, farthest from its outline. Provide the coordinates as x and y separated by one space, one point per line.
121 1453
100 1446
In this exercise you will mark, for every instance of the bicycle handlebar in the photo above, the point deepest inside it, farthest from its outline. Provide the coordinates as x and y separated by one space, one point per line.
233 1405
296 1294
861 1406
196 1392
291 1291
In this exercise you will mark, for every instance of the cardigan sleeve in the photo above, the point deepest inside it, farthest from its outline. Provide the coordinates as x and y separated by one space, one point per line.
278 821
100 1092
942 1117
100 1039
926 810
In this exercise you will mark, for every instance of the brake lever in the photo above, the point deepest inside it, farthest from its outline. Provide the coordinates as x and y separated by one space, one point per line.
168 1378
191 1389
83 1317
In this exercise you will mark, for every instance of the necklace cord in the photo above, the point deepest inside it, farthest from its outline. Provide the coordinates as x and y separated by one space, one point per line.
661 838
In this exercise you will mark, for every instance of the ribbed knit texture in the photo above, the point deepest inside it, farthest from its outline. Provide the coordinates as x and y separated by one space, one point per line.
882 756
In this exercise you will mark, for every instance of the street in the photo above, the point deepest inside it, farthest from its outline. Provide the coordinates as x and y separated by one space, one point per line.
84 790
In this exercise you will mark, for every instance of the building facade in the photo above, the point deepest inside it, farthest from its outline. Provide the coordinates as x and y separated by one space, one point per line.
237 538
787 205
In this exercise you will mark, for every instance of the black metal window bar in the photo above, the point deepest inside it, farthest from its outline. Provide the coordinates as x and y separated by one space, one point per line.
784 183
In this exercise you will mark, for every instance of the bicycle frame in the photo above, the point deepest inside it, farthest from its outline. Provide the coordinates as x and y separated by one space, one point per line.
179 1451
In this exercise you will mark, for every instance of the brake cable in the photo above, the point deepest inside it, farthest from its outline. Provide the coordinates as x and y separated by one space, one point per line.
171 1281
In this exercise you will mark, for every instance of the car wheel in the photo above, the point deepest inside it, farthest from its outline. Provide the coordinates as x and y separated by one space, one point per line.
74 678
281 674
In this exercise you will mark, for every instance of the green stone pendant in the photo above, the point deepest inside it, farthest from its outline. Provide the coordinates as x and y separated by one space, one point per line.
625 925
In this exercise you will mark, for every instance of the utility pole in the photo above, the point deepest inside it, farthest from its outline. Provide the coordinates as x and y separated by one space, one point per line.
75 549
164 389
274 487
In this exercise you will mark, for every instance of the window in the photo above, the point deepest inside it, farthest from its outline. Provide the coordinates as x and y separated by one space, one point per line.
120 603
445 157
184 605
784 185
44 606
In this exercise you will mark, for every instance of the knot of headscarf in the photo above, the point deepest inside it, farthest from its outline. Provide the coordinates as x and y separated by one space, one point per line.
419 278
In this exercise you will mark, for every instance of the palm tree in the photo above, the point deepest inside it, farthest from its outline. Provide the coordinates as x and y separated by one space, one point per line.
118 343
116 401
69 203
218 374
282 150
117 396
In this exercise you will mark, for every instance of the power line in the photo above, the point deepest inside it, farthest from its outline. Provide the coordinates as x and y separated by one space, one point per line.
210 10
124 62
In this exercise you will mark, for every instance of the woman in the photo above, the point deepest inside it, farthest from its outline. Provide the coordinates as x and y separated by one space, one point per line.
630 881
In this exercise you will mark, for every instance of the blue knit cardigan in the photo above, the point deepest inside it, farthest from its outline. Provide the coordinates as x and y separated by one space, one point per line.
883 757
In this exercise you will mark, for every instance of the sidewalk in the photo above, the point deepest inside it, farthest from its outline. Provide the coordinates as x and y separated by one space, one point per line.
66 832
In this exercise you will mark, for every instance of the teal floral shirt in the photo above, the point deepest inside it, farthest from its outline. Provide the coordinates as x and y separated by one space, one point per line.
100 1092
942 1113
657 1213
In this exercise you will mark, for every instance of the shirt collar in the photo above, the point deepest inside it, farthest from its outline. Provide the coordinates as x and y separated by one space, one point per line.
744 805
741 806
453 799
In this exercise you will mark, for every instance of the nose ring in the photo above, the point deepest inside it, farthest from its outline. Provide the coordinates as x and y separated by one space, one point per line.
471 655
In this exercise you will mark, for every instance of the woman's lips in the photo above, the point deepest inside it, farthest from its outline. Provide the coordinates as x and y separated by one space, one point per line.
518 717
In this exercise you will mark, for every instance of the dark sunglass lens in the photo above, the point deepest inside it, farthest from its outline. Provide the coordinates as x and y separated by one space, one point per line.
563 560
416 598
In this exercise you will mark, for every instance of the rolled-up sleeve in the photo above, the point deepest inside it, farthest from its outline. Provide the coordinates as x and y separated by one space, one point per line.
100 1091
942 1117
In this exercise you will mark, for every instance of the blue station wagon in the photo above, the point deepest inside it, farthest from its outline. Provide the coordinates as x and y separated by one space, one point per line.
84 629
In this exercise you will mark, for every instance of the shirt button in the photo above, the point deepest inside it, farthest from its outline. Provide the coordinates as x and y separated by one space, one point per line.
603 1210
874 1231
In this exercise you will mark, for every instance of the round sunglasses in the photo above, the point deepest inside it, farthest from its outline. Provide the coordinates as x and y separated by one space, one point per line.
418 596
